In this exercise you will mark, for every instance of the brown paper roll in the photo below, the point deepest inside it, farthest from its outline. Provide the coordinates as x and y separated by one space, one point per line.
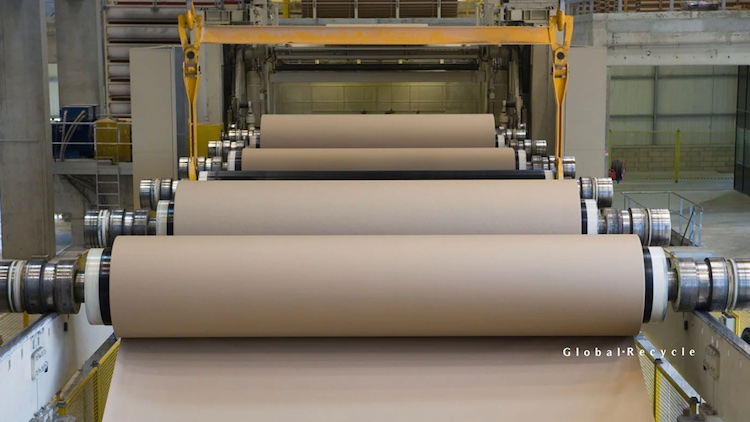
377 131
353 380
364 159
343 207
374 286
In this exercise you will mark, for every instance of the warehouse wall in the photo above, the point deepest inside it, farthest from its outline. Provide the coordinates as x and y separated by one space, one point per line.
649 104
406 97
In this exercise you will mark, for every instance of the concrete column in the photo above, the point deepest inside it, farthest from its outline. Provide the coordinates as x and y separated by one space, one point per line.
586 107
80 67
26 193
542 119
210 90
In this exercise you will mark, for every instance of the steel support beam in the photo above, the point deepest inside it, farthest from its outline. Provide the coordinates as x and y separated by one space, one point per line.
376 35
26 189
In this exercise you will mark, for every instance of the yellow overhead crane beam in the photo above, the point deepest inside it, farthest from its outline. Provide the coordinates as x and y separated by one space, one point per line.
373 35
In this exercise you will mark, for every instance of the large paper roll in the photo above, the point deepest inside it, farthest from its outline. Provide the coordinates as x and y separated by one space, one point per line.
377 131
357 380
377 207
374 159
374 286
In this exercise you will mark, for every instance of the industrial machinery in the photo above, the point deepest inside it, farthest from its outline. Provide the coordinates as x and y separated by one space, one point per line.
251 200
378 142
370 159
40 286
346 199
73 135
151 191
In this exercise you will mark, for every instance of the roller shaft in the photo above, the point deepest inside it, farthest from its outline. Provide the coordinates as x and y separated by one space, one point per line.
151 191
652 225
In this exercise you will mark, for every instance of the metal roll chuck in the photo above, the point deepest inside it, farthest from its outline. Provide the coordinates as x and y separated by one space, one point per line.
220 149
244 136
151 191
652 225
203 164
39 286
543 162
600 189
101 227
713 284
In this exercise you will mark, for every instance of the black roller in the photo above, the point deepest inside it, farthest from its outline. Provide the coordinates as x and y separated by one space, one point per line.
170 219
649 280
104 268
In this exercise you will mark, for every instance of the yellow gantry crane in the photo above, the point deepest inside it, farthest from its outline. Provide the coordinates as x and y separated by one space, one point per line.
193 33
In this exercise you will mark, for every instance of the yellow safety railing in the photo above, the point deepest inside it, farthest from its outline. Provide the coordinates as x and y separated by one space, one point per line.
673 155
12 324
86 398
668 398
742 321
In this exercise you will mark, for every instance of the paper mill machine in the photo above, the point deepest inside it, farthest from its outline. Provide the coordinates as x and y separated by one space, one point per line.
280 244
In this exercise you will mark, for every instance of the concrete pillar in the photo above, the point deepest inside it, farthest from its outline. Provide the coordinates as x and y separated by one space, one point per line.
26 193
542 119
586 109
210 90
80 64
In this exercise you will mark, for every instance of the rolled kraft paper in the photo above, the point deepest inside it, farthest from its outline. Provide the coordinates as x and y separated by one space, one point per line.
409 380
374 159
377 131
376 286
345 207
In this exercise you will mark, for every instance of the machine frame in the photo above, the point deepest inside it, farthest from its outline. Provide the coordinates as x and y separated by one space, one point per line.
193 33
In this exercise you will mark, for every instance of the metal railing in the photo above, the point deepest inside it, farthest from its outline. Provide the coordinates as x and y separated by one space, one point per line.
677 154
12 324
741 321
105 141
586 7
110 140
687 216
